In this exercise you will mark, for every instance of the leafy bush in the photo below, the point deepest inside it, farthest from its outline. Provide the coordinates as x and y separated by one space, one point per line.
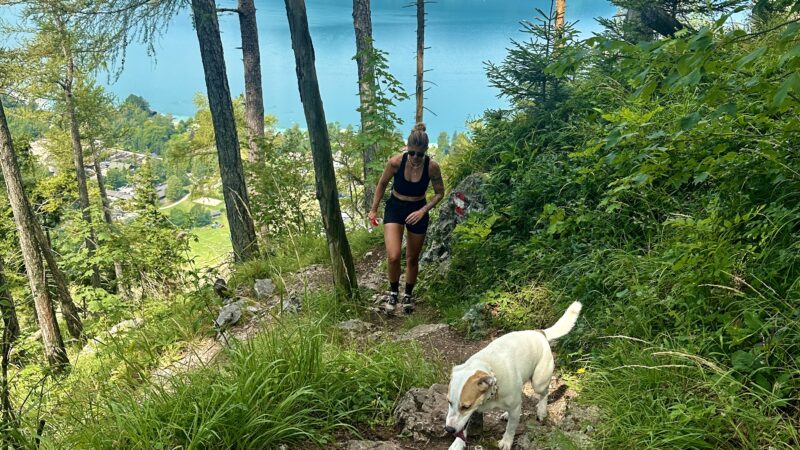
661 190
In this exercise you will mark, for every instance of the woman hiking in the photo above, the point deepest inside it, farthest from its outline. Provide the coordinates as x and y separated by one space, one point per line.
407 209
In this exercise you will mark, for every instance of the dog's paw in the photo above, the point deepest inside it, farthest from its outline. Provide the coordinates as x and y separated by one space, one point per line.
541 412
458 444
504 416
505 444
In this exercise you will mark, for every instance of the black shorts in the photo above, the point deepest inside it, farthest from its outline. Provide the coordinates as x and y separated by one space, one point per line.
397 210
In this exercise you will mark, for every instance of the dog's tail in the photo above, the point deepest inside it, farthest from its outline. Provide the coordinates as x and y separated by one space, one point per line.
565 323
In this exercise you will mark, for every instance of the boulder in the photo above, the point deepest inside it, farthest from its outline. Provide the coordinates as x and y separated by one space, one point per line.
229 315
421 413
477 320
264 288
465 199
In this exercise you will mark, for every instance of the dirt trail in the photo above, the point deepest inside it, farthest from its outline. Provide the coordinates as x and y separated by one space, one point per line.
566 421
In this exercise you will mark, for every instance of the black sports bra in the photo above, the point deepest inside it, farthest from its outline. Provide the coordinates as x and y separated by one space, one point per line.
407 188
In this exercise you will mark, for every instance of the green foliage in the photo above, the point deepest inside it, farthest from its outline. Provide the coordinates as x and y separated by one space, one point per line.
661 190
292 384
522 76
659 398
200 216
142 130
379 137
285 201
116 178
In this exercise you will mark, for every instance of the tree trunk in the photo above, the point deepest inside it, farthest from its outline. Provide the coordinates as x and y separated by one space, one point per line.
327 193
118 274
68 309
561 8
253 97
243 234
420 54
660 21
362 23
10 334
77 150
7 309
26 223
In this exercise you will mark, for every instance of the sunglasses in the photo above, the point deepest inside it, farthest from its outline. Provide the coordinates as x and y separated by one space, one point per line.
420 154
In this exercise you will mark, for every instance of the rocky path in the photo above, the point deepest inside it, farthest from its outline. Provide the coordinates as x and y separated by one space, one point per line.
420 412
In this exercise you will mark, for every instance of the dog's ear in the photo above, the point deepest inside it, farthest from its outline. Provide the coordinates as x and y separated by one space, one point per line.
486 382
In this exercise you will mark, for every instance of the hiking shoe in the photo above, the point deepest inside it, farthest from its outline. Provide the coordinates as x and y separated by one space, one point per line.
392 303
408 304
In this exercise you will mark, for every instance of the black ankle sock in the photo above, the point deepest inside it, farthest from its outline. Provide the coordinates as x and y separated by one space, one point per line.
409 289
394 286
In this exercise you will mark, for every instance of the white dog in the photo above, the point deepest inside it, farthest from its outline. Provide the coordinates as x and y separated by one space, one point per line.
494 377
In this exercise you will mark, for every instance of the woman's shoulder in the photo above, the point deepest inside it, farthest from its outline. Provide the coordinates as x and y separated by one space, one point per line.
396 160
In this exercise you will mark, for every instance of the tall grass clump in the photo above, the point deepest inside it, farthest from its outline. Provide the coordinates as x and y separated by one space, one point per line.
654 397
289 385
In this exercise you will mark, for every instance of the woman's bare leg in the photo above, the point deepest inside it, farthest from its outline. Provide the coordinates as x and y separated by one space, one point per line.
393 237
414 244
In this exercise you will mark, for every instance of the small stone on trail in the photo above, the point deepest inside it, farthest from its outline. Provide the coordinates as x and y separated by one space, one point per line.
420 331
264 288
372 445
355 326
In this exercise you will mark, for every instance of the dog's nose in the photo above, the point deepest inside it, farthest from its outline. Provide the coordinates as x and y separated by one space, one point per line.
450 429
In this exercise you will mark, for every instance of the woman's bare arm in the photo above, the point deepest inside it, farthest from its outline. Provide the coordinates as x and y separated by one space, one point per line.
388 172
438 186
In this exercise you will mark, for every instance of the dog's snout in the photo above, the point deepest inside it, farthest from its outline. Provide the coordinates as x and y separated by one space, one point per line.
450 429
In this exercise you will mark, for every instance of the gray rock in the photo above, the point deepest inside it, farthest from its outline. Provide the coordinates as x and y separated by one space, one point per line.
421 412
95 342
125 325
292 305
372 445
264 288
477 320
355 326
229 315
420 331
440 233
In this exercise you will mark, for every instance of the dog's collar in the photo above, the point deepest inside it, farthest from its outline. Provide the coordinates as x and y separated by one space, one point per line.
493 390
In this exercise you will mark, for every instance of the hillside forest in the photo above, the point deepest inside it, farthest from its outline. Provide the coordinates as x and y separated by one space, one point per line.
647 170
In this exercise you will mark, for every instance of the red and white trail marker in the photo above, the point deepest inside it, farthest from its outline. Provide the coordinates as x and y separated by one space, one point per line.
460 201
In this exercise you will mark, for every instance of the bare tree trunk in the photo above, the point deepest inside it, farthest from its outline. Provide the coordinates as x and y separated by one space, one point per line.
68 309
362 23
10 334
243 234
77 149
561 8
7 309
420 54
327 193
54 349
253 97
118 273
